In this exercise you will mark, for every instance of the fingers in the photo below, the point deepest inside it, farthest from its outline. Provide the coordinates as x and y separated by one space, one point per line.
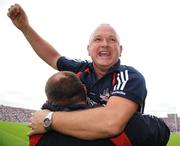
32 132
36 122
14 11
36 130
30 125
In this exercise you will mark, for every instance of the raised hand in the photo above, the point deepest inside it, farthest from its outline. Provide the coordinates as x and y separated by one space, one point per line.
18 16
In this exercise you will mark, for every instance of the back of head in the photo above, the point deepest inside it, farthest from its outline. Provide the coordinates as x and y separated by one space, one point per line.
65 88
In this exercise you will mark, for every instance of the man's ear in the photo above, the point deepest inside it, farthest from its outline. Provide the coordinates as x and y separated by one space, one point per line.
88 50
121 49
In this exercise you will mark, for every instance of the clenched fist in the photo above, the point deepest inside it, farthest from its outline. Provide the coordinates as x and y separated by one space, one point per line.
18 17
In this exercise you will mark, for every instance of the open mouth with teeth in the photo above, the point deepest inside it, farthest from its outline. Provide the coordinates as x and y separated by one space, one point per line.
104 53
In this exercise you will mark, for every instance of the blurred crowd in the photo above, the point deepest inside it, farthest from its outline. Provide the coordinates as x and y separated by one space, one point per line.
14 114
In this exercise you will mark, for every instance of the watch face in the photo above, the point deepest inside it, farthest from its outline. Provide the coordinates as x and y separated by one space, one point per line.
47 122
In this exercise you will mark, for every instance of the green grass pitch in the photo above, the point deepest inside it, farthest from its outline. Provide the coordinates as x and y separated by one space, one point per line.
15 134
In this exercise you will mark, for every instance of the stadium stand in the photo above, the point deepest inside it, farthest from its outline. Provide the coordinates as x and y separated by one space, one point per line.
173 122
14 114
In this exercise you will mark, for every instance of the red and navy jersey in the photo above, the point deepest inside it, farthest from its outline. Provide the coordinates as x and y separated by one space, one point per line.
121 80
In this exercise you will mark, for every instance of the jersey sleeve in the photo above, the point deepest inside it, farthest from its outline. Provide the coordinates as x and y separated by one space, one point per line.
74 65
130 84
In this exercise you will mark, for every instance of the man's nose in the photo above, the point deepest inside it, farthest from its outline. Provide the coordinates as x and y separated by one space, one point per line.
104 42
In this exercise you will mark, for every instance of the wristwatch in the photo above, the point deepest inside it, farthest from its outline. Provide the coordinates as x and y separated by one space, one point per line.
48 121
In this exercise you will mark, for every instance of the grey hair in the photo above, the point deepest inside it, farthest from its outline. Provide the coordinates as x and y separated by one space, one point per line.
101 25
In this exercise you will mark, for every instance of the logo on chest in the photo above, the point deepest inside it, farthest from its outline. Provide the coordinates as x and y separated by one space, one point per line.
104 96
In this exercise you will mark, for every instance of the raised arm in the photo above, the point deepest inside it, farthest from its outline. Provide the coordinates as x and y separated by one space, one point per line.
43 49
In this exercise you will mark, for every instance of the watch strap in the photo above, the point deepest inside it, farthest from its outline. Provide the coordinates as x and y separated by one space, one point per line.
49 117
